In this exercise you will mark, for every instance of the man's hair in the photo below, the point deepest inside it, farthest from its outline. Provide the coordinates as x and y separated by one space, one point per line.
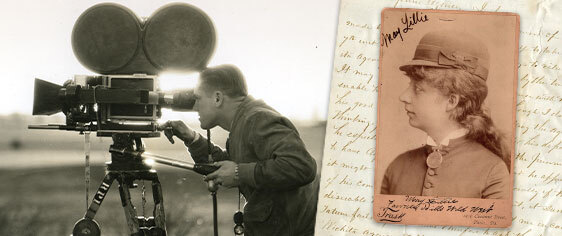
225 78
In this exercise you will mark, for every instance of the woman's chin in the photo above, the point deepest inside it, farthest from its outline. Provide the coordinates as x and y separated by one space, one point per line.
413 122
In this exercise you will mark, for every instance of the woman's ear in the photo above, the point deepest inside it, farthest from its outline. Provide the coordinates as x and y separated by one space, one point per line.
453 101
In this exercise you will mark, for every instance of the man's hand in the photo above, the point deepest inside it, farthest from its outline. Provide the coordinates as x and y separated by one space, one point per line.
225 175
179 129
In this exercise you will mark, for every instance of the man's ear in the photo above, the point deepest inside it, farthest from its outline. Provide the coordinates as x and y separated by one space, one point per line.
218 97
452 101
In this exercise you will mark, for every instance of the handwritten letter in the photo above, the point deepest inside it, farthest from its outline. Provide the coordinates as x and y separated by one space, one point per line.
346 192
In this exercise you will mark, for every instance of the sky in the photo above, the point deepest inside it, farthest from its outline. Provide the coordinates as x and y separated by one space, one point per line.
284 48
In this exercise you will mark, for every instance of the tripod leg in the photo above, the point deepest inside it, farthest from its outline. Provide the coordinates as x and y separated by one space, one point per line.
100 195
87 225
159 215
130 212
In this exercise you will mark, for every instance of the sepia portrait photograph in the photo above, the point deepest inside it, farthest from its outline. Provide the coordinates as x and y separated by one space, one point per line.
446 117
163 117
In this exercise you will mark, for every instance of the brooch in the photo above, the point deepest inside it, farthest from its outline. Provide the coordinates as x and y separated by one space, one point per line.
434 159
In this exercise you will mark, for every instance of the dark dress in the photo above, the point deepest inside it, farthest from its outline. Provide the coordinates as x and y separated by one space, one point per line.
468 170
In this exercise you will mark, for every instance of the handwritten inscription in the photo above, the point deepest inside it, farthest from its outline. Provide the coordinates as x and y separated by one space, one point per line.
408 21
347 170
395 212
389 214
348 156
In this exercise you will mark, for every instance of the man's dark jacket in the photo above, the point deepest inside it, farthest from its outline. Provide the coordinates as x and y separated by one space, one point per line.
277 174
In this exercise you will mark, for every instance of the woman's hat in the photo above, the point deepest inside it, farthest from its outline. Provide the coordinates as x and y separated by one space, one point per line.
451 49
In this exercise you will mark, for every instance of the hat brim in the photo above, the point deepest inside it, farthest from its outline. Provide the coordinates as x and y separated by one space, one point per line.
411 63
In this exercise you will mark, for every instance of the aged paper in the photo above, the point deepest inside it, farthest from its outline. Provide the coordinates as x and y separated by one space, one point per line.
345 204
455 60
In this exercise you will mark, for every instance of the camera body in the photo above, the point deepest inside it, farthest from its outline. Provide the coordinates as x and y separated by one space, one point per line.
113 103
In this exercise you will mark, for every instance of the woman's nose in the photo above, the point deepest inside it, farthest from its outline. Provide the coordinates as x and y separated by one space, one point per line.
405 95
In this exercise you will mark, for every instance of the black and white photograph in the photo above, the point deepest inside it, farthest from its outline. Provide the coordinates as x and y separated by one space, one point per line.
163 118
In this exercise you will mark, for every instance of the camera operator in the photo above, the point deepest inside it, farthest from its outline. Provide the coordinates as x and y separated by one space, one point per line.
264 157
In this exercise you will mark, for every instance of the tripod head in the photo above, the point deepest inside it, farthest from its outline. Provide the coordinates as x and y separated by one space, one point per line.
124 159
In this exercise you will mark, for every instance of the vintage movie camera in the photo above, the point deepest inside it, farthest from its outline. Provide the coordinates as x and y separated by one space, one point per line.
105 104
128 53
109 104
124 101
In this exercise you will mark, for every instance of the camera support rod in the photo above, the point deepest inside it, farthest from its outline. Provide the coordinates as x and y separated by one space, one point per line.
80 128
149 158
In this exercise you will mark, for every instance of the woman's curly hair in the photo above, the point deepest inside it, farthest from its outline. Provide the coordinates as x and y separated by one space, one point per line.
472 90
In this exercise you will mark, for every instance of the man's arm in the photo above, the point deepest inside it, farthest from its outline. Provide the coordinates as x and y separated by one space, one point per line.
199 150
284 162
196 143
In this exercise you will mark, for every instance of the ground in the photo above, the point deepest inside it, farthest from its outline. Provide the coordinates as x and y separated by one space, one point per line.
43 191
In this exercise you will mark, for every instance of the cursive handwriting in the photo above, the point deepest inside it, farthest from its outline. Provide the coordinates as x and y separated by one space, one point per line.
396 210
408 22
389 214
537 158
413 20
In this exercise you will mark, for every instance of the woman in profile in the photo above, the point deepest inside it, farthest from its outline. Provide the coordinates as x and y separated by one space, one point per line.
465 155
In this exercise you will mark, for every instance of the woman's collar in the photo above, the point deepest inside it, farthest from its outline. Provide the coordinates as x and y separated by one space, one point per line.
452 135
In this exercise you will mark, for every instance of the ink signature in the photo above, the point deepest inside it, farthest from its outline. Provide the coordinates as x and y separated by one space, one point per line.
408 23
390 214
